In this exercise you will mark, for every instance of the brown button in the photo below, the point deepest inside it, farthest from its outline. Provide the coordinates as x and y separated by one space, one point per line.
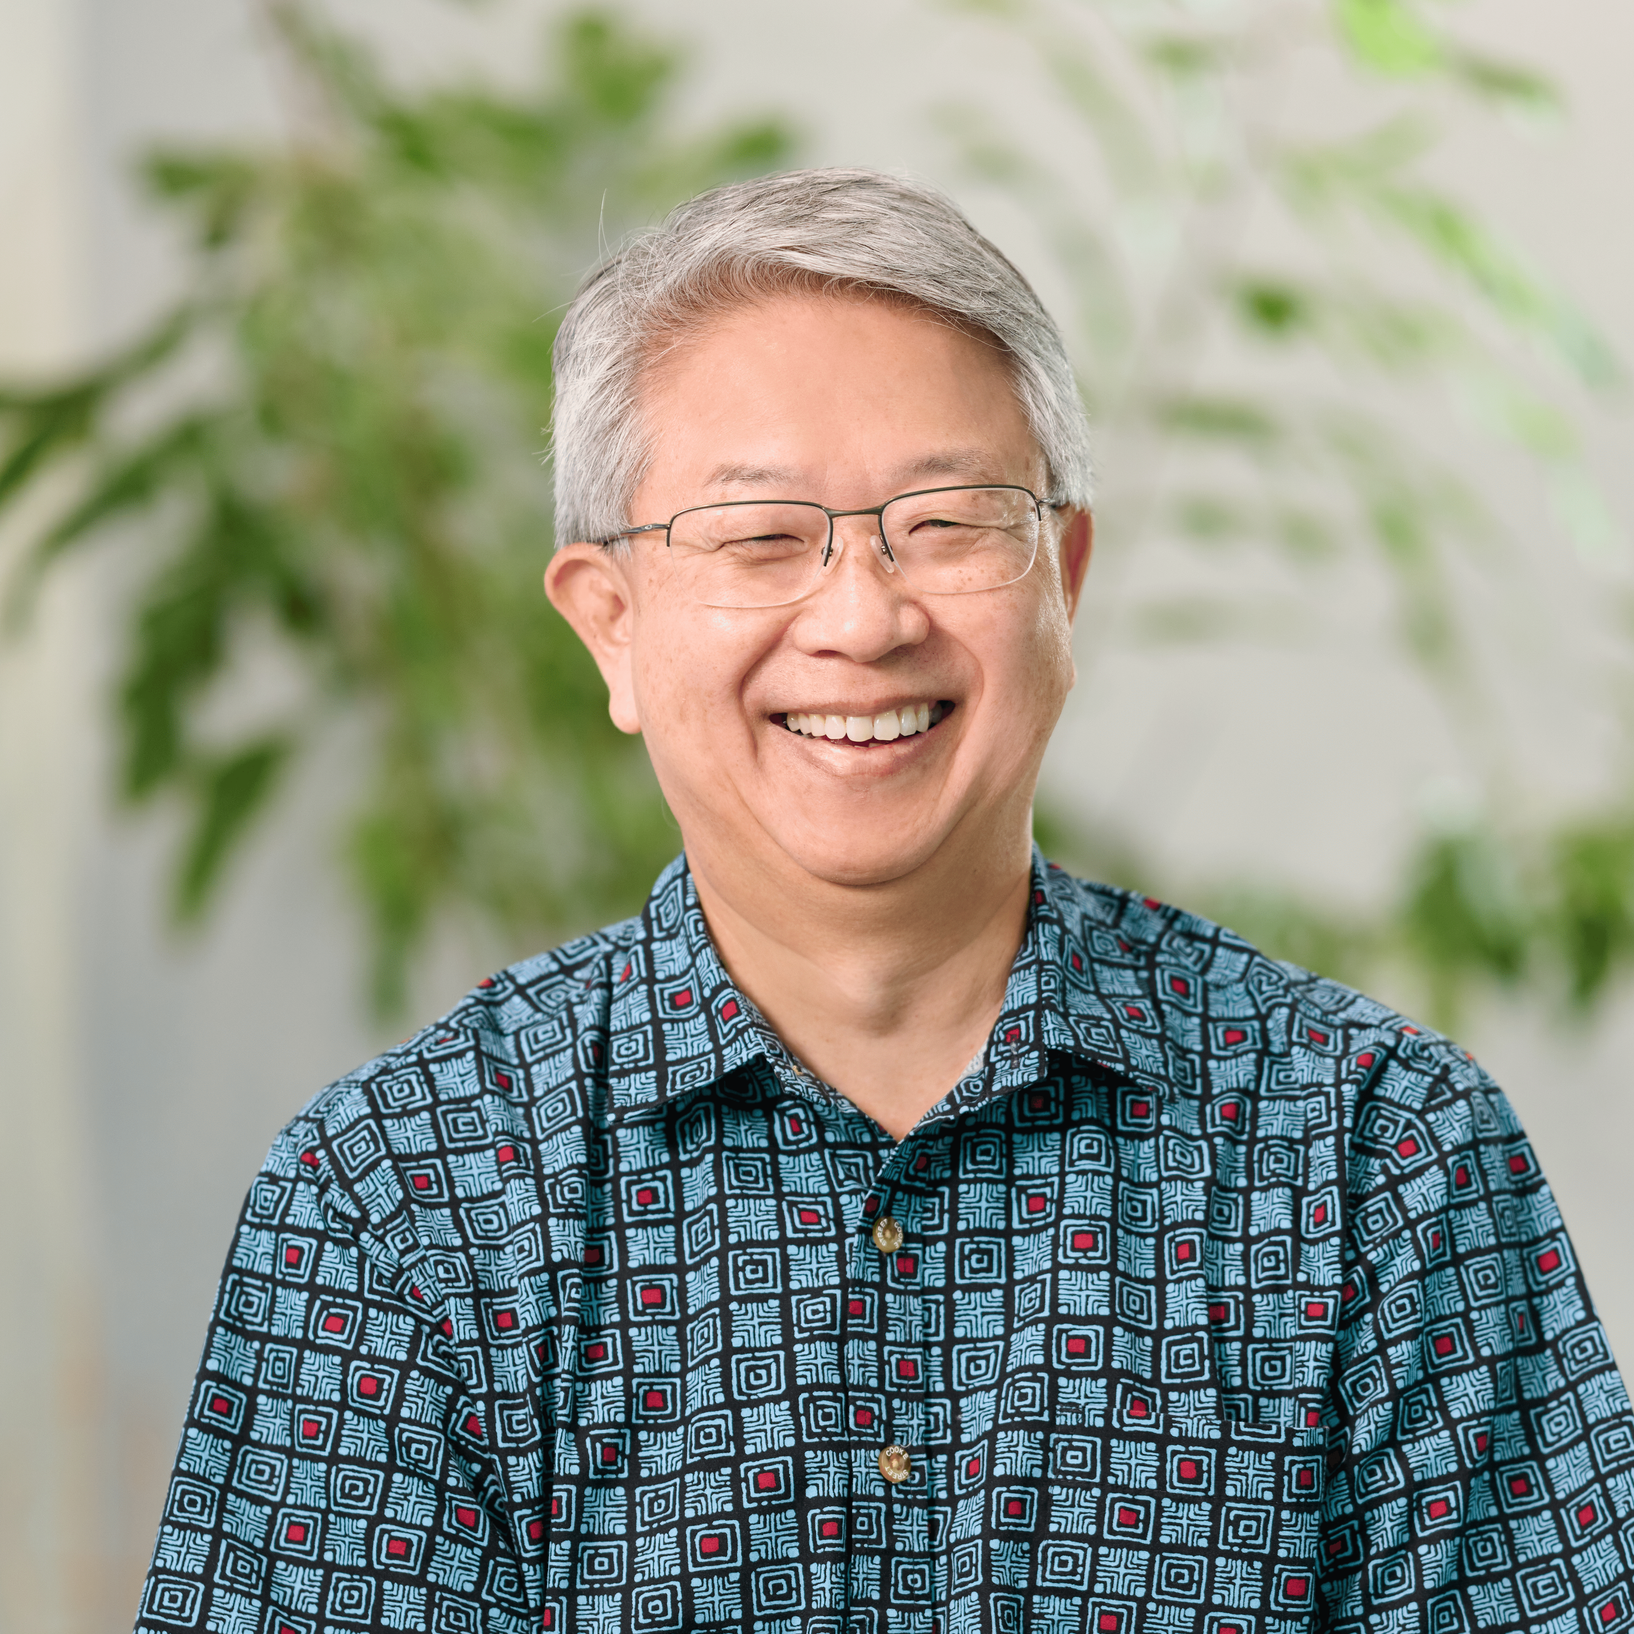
887 1238
894 1464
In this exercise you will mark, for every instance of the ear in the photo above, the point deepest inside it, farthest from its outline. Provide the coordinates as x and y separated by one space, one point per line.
589 585
1077 541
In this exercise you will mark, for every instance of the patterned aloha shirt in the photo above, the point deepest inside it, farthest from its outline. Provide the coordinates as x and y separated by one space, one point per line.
1213 1299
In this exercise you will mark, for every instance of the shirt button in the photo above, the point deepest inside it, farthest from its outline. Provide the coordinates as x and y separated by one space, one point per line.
887 1237
894 1464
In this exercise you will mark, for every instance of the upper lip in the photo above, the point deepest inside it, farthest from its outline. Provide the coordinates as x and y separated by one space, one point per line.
897 705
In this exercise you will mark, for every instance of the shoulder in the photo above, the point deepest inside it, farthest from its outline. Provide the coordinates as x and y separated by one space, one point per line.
1216 996
508 1076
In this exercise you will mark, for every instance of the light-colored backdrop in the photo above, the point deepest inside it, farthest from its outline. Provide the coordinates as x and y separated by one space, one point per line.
142 1076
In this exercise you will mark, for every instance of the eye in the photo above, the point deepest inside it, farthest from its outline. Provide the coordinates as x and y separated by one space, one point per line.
750 534
946 528
765 546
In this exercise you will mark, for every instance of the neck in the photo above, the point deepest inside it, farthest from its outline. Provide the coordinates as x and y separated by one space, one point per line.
884 991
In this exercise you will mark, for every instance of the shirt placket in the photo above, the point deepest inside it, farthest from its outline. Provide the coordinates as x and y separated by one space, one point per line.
888 1367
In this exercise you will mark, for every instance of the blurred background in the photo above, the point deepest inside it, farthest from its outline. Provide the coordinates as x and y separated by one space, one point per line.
292 749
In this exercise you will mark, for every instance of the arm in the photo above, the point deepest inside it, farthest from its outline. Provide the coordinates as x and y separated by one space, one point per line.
335 1464
1481 1465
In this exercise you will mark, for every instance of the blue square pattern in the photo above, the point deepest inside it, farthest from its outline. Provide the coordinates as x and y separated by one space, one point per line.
1213 1296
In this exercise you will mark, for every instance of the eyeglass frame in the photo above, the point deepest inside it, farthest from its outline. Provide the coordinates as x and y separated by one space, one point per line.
878 511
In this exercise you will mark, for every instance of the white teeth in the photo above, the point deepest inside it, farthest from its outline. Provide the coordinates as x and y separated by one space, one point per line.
885 727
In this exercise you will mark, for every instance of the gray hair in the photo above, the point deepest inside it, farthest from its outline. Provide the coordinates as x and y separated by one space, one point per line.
823 230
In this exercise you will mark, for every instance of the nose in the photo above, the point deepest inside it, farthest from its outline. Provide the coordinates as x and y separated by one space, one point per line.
862 608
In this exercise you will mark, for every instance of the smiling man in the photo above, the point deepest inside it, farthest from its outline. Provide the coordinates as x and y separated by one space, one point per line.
884 1231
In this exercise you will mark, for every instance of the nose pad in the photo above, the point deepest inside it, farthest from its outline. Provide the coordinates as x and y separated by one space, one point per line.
876 542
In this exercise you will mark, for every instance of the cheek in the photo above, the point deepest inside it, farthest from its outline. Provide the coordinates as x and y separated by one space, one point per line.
687 674
1056 667
1035 672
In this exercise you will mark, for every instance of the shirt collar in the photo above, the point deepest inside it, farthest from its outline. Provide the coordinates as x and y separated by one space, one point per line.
1082 985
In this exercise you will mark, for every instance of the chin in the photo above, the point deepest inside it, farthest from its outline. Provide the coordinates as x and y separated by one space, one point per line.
839 859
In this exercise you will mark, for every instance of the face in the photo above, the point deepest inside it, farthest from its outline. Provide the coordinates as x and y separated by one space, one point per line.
846 402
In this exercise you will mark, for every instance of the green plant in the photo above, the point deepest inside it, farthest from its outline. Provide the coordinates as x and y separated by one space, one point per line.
331 446
325 457
1282 317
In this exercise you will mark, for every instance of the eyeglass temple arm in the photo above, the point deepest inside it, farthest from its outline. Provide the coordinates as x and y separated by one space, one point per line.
625 533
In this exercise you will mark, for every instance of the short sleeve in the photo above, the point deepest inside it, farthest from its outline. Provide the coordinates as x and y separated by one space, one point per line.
1481 1471
333 1467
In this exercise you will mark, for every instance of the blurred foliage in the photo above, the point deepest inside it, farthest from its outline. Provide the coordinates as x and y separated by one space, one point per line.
322 466
1554 911
1276 303
333 442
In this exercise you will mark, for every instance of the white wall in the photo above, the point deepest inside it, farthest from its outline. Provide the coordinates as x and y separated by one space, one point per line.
49 1369
141 1077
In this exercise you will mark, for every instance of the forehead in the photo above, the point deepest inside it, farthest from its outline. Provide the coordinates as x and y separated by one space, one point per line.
806 386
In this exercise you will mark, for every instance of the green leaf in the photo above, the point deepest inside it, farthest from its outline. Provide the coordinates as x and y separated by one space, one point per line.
1211 518
1187 57
1305 536
1510 85
1464 917
1125 141
396 879
1322 176
219 190
46 424
231 790
1453 237
131 483
1224 419
1388 37
1184 620
42 431
1593 881
159 466
619 75
1274 308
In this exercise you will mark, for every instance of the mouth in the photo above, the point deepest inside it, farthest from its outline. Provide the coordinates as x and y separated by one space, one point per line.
863 731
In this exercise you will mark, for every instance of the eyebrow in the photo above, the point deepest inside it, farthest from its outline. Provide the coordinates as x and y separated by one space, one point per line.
751 476
952 462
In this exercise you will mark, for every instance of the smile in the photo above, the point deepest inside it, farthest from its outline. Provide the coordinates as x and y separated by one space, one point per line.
885 727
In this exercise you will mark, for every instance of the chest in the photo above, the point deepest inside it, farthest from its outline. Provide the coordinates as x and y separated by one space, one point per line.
1070 1348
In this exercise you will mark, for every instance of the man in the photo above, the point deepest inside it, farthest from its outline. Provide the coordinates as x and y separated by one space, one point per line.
884 1231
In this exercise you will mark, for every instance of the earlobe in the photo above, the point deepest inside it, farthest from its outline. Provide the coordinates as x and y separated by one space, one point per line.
590 587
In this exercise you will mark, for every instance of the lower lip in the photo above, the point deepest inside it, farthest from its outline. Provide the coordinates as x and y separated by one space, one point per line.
870 743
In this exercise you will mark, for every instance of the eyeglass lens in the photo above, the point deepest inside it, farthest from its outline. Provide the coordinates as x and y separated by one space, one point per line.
949 541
